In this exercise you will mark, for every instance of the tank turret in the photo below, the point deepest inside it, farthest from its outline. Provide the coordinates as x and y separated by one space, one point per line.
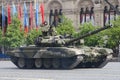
59 40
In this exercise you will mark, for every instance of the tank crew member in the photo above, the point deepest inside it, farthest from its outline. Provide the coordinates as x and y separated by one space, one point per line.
52 31
44 28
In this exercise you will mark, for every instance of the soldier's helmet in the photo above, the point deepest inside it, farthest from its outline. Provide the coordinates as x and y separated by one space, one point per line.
45 23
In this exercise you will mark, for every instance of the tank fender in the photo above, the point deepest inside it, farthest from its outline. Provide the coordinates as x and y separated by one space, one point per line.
77 51
39 53
78 61
49 54
15 53
105 51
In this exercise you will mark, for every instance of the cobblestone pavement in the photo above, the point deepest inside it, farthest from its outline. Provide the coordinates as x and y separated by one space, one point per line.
9 71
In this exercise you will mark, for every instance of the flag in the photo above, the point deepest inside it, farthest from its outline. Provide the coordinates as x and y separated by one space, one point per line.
37 16
19 14
42 12
14 9
3 18
31 16
25 19
9 13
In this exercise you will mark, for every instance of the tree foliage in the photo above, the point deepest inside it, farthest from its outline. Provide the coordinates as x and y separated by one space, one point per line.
113 34
66 27
13 36
108 38
32 35
90 40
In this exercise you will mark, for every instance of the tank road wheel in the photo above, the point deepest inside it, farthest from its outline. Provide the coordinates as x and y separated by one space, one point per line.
21 63
56 63
47 63
29 63
66 62
38 63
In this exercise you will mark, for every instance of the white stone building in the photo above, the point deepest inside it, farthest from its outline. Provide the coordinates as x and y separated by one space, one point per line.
79 11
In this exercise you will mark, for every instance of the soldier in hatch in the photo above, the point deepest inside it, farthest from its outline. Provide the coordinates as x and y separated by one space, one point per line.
44 28
48 30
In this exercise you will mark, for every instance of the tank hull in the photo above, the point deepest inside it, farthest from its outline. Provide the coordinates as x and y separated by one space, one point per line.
57 58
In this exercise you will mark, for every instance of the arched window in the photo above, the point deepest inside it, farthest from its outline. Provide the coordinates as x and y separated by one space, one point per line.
55 8
87 15
55 17
109 15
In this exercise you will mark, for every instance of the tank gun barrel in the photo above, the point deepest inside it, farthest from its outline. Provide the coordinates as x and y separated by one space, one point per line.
87 34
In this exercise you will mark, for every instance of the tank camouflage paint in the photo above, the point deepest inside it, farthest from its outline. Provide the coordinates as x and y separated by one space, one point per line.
53 52
58 52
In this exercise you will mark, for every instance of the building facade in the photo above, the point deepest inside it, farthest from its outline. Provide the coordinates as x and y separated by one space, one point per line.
98 12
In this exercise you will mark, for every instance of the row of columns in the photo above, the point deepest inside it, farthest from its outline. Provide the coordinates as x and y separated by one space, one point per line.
109 14
88 15
55 17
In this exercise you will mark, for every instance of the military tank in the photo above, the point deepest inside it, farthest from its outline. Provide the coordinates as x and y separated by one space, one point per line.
58 52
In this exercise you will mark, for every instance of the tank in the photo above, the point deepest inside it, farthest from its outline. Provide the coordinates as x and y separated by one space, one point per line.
59 52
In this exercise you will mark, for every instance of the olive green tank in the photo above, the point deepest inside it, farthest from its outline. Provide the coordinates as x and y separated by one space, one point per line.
58 52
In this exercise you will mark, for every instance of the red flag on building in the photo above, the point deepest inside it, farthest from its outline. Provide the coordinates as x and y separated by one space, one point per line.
31 16
20 14
9 13
42 12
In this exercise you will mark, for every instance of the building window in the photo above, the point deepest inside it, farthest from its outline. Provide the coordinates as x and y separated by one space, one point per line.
55 17
109 15
87 15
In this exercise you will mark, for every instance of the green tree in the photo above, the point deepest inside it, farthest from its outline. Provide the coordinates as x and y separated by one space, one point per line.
66 27
13 36
113 34
90 40
32 35
107 38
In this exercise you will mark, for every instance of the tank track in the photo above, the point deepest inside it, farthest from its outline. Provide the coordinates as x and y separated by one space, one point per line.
47 63
57 63
99 63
